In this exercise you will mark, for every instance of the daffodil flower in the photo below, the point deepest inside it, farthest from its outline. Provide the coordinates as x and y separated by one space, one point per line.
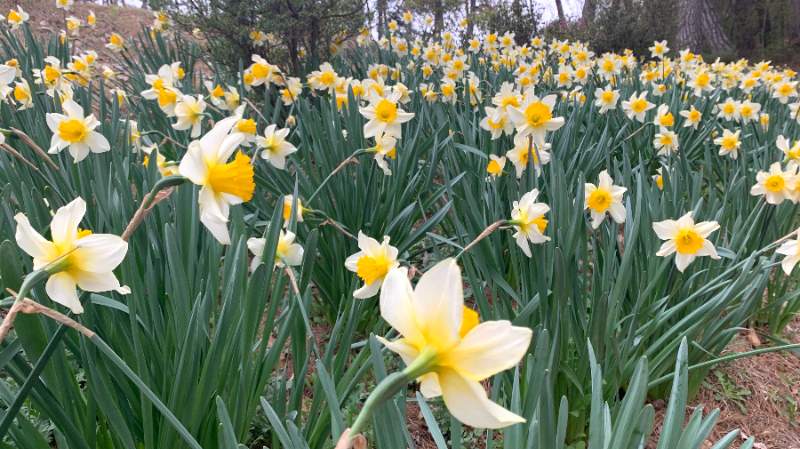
495 166
76 257
535 117
276 148
17 18
604 197
687 238
527 217
372 264
729 143
606 99
75 131
637 106
523 150
791 250
190 112
224 183
665 141
445 346
287 250
776 185
384 116
791 152
692 117
384 147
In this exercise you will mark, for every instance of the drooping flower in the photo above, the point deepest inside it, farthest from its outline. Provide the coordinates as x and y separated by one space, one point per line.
535 117
496 122
605 197
452 350
75 131
276 148
84 259
384 116
22 93
384 147
286 250
527 217
792 152
776 185
523 150
686 238
372 264
791 250
190 112
224 183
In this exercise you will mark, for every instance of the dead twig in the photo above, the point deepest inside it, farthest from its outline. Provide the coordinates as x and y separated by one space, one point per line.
32 307
138 217
29 142
16 154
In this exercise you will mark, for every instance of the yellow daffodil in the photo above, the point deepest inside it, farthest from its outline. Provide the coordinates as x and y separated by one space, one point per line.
446 347
223 183
495 166
372 264
75 131
686 238
604 197
384 116
535 117
776 185
82 259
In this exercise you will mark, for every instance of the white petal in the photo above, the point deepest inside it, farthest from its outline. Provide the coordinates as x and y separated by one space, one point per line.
64 227
95 282
97 142
99 253
489 348
468 402
397 306
368 291
61 289
217 227
193 166
438 303
402 347
32 242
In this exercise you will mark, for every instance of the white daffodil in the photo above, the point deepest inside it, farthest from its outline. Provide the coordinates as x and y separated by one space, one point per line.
63 4
190 112
22 93
84 259
792 152
372 264
224 183
729 110
605 197
663 116
495 166
165 167
384 147
116 43
51 76
523 150
17 18
527 217
287 250
606 99
384 116
497 122
7 74
637 107
665 141
776 185
686 238
452 350
276 148
729 143
659 49
692 116
791 250
75 131
246 127
535 117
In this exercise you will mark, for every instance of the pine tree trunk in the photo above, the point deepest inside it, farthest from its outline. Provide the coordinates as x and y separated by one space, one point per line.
470 18
713 33
438 17
560 9
689 34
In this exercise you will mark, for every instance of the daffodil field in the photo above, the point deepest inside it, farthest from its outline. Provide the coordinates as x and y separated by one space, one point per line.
526 241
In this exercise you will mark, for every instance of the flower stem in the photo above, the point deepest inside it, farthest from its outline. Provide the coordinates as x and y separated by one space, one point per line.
163 183
31 280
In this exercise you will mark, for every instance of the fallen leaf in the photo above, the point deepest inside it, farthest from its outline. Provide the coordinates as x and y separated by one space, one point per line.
760 446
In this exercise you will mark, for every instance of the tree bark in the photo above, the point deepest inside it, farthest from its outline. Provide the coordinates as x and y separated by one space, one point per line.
713 33
438 16
560 9
689 34
796 10
589 10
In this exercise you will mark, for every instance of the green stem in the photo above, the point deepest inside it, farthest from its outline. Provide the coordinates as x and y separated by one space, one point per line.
31 280
725 359
163 183
319 189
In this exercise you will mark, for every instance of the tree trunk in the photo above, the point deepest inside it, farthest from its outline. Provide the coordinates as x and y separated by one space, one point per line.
589 10
796 10
560 9
381 10
689 34
438 16
470 5
713 33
